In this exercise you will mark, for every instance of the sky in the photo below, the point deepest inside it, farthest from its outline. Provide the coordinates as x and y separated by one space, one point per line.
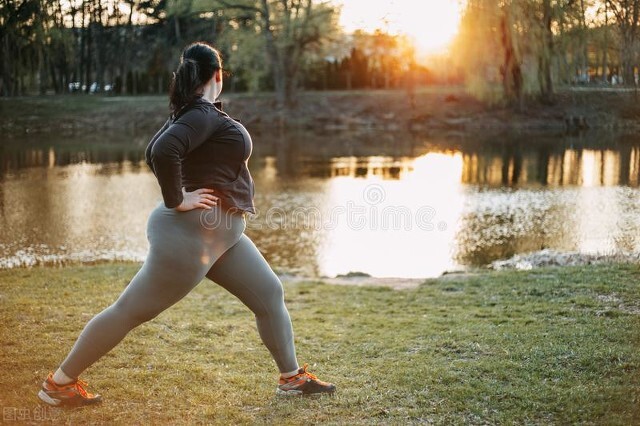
432 23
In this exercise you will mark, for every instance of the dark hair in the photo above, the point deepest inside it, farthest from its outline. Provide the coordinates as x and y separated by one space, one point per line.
198 62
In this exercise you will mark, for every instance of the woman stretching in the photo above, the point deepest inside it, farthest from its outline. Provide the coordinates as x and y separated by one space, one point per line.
200 159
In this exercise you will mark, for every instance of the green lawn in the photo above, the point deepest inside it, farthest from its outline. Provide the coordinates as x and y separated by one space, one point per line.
549 346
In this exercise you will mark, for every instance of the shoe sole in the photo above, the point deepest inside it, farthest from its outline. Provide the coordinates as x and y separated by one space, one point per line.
48 400
294 393
75 402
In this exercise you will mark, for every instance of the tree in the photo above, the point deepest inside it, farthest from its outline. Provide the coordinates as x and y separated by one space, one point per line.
488 50
290 28
524 45
627 15
22 45
382 53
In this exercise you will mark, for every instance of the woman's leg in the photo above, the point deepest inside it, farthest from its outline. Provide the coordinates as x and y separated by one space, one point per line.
179 257
244 272
153 289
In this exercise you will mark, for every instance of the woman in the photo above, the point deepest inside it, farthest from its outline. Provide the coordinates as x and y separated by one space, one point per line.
200 159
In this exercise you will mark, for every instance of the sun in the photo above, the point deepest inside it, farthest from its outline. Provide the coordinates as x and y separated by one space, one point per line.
432 24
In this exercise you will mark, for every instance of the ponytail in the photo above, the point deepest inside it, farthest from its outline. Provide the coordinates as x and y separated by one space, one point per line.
199 62
184 84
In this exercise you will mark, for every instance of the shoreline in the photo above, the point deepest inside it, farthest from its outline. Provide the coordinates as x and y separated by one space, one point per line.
521 262
439 109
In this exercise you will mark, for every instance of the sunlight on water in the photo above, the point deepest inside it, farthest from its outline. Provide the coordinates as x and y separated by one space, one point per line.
388 226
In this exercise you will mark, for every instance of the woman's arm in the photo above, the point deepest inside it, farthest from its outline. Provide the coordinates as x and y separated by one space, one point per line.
171 146
147 152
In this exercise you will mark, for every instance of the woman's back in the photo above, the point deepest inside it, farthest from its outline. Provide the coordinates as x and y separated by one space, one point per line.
203 147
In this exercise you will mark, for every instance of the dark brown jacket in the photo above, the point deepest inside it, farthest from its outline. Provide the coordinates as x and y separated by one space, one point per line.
203 148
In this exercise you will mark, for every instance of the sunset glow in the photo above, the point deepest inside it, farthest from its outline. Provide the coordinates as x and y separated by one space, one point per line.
431 23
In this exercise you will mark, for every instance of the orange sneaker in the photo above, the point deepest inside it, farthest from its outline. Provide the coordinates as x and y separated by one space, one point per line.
73 393
303 383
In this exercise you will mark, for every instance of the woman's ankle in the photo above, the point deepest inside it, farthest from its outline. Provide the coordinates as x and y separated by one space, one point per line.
290 373
61 378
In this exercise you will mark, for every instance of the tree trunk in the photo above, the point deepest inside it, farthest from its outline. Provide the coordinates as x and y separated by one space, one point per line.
41 71
279 77
7 85
123 73
16 75
290 87
83 42
124 68
76 71
512 82
605 51
54 78
134 82
100 62
627 53
280 83
89 46
584 66
176 28
546 86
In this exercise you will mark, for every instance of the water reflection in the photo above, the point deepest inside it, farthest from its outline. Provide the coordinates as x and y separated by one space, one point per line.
587 167
19 152
386 204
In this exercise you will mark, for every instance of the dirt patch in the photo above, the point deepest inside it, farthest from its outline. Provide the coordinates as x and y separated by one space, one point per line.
613 300
361 281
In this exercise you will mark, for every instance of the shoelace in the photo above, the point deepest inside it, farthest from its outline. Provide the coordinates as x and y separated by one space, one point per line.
306 373
80 385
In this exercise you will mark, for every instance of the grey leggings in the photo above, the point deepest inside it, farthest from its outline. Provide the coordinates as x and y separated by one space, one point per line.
184 248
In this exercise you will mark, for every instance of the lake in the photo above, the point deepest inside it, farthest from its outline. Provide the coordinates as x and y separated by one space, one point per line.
392 204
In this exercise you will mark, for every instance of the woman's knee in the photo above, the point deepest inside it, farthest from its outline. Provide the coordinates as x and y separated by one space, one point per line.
272 290
134 315
277 290
272 299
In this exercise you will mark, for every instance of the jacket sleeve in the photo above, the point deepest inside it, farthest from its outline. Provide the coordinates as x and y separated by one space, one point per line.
172 145
147 152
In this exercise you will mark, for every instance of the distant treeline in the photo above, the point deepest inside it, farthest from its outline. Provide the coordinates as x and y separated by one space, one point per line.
132 46
507 50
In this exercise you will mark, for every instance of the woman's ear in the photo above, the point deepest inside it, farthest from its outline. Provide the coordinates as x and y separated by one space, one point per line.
218 76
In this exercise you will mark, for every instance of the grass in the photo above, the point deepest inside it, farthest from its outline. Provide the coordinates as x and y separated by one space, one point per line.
549 346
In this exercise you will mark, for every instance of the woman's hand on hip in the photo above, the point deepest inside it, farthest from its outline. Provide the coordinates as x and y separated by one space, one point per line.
199 199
